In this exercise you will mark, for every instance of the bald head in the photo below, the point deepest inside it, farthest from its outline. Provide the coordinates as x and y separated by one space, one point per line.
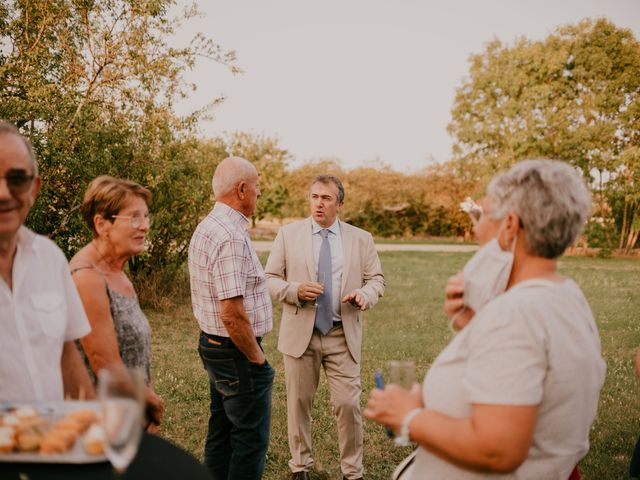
7 128
229 173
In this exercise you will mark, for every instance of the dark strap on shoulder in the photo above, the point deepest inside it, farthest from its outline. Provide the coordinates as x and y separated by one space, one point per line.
92 266
82 268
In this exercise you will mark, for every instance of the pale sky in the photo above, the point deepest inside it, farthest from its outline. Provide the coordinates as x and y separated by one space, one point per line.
361 80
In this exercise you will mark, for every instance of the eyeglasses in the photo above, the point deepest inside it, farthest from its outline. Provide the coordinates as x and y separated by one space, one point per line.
137 220
471 208
18 181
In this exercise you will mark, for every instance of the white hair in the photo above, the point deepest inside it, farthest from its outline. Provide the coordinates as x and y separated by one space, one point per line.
230 172
551 199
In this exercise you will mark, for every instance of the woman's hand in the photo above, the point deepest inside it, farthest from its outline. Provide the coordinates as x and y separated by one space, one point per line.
458 314
154 409
391 405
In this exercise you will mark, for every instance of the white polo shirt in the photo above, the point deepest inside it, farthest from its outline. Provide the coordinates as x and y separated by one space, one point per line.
41 313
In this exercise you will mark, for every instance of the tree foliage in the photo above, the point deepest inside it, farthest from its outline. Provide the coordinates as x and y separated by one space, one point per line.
386 202
271 161
93 84
574 96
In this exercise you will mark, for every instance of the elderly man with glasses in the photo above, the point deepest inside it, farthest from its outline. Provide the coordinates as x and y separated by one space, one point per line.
40 311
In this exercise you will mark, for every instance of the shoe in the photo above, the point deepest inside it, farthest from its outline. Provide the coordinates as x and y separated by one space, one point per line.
300 476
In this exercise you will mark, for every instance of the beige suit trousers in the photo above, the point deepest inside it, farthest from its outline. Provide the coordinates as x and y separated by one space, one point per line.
343 377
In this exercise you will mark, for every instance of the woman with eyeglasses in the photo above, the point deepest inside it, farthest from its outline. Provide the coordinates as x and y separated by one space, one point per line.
117 212
514 394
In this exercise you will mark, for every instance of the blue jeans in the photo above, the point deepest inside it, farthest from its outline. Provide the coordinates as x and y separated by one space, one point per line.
239 424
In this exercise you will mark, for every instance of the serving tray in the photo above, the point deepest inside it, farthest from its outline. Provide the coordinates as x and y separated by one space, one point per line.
52 412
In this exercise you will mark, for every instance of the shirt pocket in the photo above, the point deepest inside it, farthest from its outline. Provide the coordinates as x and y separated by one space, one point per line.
50 311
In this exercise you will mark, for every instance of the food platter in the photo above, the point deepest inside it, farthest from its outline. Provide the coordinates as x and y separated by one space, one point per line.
51 412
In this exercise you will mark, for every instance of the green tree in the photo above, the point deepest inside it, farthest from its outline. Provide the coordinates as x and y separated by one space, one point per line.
574 96
93 84
270 160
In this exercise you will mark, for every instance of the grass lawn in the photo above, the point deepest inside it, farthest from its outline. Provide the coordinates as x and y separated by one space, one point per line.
408 323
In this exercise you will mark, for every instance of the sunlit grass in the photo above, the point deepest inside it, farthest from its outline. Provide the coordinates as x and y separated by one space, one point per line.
409 323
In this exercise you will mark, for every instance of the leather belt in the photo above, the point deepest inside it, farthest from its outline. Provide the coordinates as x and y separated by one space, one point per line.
226 341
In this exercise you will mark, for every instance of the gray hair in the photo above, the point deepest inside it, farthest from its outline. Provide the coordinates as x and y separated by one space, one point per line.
7 128
230 172
326 178
551 199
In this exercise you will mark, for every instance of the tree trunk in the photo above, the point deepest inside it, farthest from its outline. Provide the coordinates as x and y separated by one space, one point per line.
623 230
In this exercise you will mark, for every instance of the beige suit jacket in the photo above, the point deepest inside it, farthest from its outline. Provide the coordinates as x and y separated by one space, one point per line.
291 262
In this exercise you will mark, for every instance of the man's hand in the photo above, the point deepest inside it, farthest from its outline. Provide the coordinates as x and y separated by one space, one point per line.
356 298
309 291
154 409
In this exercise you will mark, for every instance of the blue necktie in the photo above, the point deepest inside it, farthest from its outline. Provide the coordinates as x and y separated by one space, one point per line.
324 311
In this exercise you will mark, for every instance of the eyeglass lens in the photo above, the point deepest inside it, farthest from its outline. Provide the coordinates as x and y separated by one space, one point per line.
18 180
137 220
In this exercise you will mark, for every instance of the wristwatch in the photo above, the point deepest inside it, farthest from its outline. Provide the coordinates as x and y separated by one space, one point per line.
404 439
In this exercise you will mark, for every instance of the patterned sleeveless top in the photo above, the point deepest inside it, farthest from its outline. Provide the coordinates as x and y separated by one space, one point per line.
132 331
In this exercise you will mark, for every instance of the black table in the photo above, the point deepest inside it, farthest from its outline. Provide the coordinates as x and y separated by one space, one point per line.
157 459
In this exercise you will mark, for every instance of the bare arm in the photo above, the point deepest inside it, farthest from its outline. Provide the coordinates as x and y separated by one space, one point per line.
101 344
237 323
494 437
75 378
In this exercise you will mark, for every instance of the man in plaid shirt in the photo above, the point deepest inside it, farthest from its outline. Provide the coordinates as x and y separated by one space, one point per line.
232 305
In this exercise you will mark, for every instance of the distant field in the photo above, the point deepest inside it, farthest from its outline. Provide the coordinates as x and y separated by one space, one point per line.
409 323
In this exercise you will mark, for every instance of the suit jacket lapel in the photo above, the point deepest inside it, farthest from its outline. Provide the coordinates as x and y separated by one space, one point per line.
307 246
347 243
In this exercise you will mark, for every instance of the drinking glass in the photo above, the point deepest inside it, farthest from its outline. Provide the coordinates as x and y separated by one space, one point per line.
121 394
403 374
321 282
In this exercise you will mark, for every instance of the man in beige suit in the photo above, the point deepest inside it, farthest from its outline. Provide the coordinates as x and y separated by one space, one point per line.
326 273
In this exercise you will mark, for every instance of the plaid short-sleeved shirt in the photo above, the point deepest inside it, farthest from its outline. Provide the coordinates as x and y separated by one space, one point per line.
223 264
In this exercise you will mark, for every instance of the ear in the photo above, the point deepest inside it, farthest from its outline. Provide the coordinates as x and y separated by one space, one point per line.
241 189
35 188
510 230
101 225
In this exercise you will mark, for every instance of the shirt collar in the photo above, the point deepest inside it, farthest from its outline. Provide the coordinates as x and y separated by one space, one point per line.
334 228
235 216
26 238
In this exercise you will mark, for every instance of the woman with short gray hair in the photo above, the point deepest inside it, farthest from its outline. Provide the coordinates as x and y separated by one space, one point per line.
514 394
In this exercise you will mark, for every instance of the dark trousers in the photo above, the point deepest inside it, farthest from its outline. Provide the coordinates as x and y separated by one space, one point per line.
634 466
239 424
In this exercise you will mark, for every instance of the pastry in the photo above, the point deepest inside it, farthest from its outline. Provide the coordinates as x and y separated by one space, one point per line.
94 440
7 441
28 439
83 417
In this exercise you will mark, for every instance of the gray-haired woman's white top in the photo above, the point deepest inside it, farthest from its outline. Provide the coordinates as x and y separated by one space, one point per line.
536 344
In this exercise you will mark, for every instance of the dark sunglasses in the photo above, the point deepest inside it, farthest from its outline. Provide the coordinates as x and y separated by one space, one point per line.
18 180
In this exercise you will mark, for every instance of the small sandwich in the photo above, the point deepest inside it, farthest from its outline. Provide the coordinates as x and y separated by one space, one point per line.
83 417
57 441
28 439
94 440
24 413
7 439
10 420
